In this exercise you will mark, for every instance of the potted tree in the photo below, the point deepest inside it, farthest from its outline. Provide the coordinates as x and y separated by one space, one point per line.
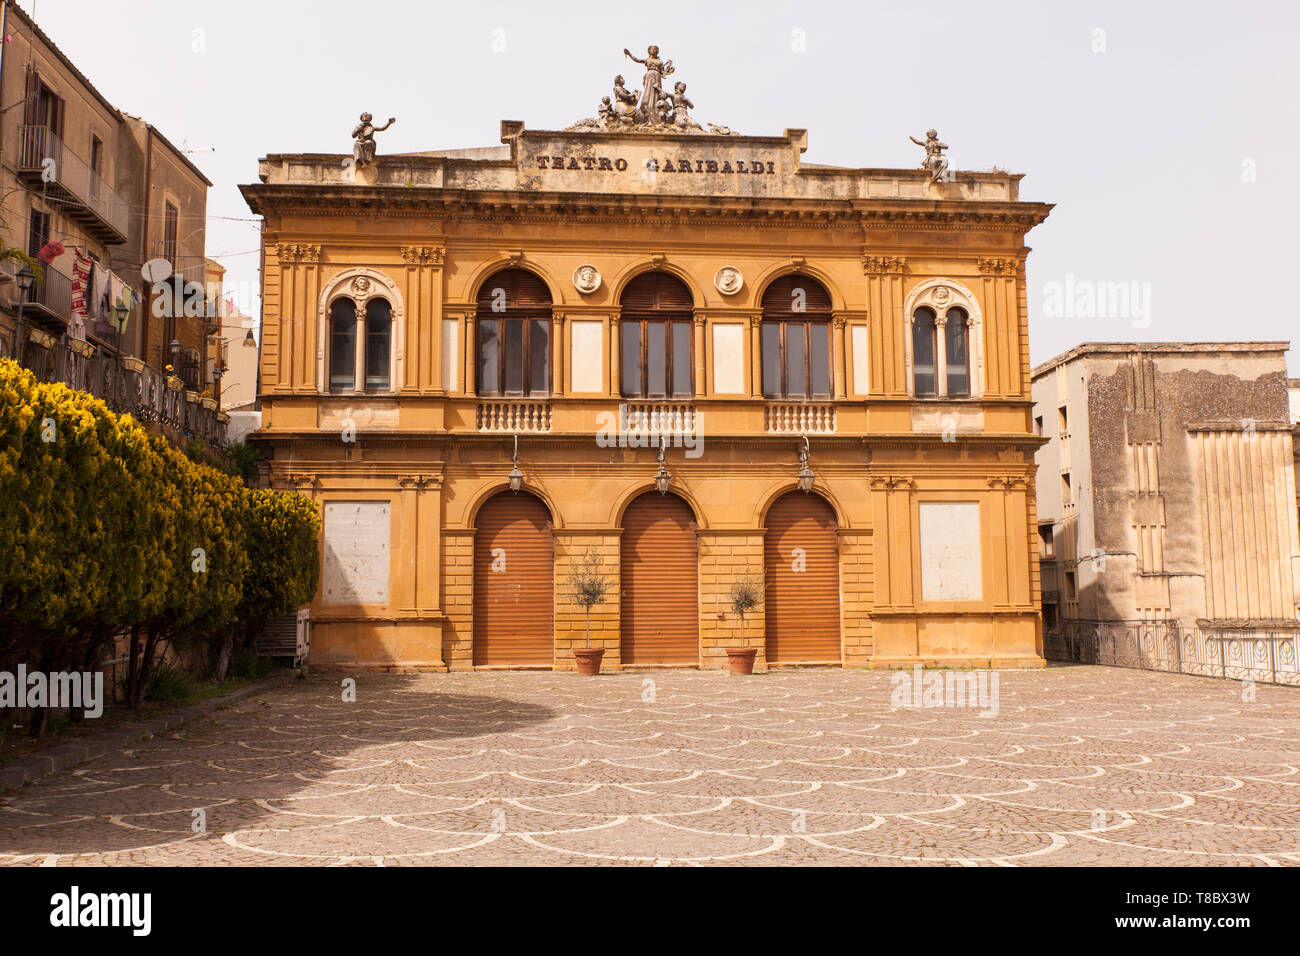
589 585
746 594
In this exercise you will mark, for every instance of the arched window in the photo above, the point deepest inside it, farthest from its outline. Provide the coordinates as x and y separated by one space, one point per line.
343 344
943 346
796 339
379 337
657 346
957 354
924 352
514 335
360 316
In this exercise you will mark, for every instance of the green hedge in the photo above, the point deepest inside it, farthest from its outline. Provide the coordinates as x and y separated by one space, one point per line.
105 527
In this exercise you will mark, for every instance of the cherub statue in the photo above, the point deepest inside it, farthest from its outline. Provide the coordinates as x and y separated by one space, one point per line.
681 112
624 101
935 162
605 113
363 150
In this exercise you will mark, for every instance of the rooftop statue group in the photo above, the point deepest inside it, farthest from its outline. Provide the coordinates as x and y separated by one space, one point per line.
649 110
652 109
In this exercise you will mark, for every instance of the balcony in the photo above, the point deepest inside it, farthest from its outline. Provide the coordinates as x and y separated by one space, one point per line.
50 300
46 163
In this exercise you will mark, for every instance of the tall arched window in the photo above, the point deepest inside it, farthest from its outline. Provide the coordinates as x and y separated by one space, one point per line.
513 321
956 331
379 338
796 339
924 352
657 346
943 344
343 344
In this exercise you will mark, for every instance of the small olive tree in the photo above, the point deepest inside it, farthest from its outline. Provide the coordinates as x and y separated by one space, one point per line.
589 584
746 594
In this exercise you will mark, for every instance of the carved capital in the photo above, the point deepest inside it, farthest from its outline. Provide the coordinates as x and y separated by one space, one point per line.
1008 482
296 252
422 255
839 321
891 483
302 483
998 267
883 265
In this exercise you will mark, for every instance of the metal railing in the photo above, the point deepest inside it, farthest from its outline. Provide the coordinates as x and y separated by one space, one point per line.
126 385
1268 655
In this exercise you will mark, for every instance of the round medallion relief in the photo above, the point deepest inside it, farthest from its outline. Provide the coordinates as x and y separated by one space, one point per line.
586 279
728 280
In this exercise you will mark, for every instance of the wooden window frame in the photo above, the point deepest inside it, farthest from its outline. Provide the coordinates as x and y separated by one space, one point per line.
805 321
669 319
527 317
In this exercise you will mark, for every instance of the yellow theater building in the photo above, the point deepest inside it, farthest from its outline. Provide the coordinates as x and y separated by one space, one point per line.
680 346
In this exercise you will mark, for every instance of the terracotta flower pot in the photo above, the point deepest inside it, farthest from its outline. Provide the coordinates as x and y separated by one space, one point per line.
741 659
589 659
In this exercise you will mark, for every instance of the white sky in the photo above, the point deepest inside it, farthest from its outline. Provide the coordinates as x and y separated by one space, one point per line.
1142 147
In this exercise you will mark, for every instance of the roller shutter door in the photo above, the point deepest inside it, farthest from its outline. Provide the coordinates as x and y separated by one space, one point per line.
660 602
803 581
513 578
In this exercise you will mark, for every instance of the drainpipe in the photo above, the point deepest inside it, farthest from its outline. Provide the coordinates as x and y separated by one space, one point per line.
146 304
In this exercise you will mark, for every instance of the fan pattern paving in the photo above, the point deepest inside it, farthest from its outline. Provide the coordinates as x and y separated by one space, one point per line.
1081 765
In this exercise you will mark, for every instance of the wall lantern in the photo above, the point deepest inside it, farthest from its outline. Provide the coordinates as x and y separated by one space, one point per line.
805 477
516 476
662 479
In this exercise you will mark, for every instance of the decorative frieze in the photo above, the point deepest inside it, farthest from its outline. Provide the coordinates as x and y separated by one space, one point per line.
422 255
998 267
297 252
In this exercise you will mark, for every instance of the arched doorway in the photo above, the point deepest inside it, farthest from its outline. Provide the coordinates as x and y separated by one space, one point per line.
802 564
659 604
513 581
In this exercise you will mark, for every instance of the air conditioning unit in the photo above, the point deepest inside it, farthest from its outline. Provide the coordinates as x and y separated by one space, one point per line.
287 637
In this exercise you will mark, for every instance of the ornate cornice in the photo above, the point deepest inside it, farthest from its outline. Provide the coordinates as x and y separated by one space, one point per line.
883 265
297 252
422 255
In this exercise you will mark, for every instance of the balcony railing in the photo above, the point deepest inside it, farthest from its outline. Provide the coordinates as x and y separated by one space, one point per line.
513 416
52 295
654 420
45 160
799 418
126 385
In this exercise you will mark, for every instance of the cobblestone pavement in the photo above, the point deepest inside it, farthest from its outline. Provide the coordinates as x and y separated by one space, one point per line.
1081 765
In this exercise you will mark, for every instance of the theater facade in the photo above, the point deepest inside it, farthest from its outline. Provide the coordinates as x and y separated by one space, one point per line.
681 347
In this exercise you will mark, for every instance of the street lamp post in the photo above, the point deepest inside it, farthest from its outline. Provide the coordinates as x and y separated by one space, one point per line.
24 279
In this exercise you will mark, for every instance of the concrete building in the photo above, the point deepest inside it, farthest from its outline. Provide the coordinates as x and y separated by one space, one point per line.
1167 485
661 333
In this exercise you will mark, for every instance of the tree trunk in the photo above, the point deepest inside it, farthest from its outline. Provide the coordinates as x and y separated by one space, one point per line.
587 609
133 667
224 656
